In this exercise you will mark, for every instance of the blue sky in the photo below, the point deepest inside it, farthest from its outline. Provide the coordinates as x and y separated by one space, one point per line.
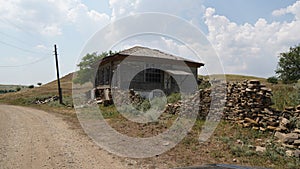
248 35
247 11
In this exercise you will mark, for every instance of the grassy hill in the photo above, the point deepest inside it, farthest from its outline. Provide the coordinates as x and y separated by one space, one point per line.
234 77
28 96
11 87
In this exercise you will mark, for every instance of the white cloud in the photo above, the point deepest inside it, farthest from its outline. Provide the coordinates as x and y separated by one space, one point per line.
41 47
252 48
292 9
122 7
50 17
51 30
188 9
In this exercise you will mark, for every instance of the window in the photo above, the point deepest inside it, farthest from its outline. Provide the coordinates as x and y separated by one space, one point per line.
153 75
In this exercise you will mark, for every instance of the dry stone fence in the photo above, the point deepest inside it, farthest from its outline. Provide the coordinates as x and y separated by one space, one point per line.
248 104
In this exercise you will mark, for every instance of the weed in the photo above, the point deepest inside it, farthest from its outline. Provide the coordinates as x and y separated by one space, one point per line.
236 150
174 97
225 139
285 95
109 112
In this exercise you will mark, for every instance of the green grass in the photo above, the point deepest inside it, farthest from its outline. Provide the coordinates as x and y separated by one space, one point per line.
11 87
234 77
109 112
285 95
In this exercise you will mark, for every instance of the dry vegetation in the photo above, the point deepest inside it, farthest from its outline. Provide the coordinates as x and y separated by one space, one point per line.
229 144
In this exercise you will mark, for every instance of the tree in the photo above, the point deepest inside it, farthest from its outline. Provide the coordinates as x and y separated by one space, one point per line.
289 65
87 67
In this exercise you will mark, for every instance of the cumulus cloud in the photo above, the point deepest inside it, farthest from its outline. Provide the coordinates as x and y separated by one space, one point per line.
50 17
187 9
292 9
252 48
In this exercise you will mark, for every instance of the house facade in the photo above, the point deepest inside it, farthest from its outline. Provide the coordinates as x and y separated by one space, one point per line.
144 69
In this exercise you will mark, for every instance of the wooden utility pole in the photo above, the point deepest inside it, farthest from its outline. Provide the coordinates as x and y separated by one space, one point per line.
57 73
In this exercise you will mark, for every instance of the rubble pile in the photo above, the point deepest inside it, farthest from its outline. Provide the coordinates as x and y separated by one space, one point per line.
173 108
288 131
125 97
46 100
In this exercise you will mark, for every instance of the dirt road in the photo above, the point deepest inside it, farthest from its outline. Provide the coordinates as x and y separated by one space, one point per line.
32 138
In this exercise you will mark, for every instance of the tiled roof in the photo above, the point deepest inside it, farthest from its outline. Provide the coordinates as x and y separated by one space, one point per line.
147 52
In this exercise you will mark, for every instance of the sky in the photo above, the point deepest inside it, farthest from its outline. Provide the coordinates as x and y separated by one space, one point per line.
247 35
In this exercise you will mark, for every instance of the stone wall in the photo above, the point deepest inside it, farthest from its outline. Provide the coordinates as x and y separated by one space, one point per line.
248 104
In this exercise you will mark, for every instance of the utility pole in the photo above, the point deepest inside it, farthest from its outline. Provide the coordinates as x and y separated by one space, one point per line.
57 73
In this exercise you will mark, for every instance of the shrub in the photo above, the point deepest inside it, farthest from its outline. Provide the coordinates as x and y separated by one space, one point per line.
273 80
203 84
174 97
18 89
31 86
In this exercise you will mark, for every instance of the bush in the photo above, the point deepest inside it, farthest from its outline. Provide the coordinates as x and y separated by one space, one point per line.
273 80
203 84
31 86
174 97
145 106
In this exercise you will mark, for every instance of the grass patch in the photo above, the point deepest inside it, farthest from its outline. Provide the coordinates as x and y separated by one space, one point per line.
285 95
109 112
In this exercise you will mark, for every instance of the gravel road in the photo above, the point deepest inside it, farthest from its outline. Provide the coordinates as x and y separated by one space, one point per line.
31 138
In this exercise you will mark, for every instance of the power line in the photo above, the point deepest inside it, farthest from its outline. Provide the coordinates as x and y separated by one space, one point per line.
5 21
26 64
29 33
27 51
22 49
13 37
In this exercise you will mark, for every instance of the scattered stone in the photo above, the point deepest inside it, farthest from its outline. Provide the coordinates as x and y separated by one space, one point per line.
262 129
284 122
239 141
251 147
289 108
296 131
290 146
260 149
280 136
297 153
251 121
46 100
271 128
166 144
290 138
297 142
289 153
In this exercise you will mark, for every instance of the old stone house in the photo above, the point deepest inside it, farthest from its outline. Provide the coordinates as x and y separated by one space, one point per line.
144 69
